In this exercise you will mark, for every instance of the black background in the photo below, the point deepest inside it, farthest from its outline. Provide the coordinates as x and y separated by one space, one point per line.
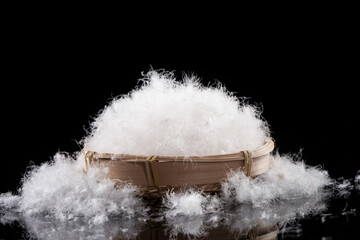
56 75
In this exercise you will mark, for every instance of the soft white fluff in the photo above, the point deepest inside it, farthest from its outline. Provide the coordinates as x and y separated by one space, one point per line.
287 178
61 189
169 117
185 211
342 187
190 203
9 201
357 181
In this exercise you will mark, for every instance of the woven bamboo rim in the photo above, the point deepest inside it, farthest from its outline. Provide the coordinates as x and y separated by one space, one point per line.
155 175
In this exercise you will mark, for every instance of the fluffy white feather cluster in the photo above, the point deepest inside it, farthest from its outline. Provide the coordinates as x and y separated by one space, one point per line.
61 190
190 203
357 180
288 178
176 118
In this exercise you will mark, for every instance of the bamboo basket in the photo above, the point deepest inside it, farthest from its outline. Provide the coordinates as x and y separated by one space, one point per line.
155 175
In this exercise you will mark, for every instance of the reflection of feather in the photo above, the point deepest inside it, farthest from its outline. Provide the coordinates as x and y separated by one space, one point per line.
240 219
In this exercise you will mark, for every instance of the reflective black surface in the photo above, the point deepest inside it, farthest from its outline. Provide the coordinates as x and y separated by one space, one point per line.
324 216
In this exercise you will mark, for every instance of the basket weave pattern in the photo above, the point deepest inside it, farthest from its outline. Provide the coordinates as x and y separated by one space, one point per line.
155 175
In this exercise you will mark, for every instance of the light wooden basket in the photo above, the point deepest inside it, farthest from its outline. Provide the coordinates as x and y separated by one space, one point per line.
155 175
